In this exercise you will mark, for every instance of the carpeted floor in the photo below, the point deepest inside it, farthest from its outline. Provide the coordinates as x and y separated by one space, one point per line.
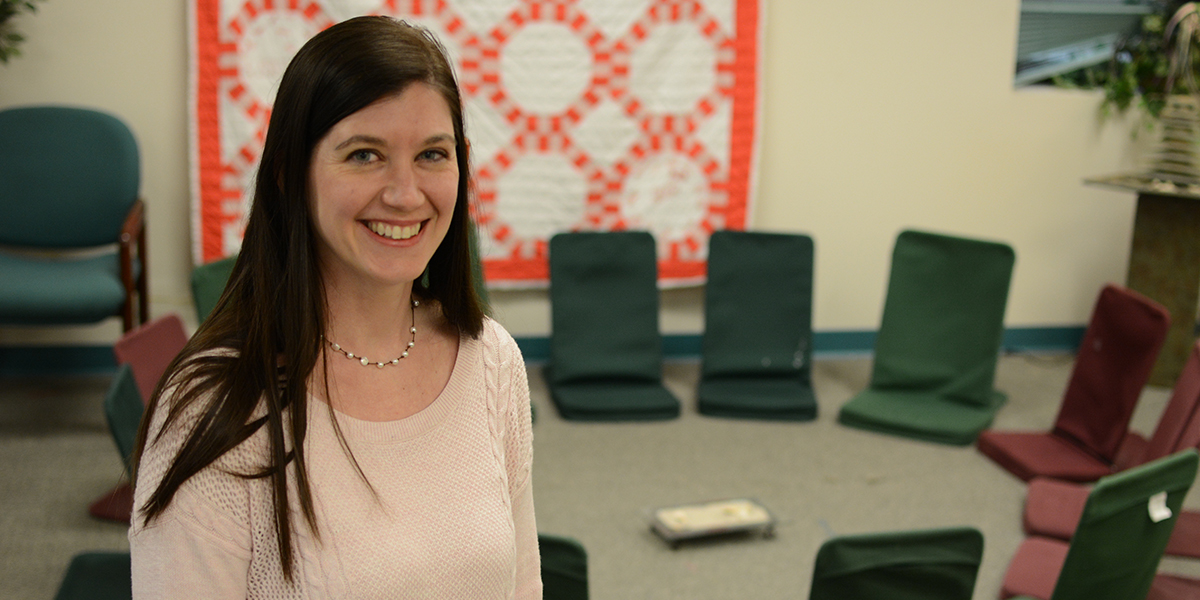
598 482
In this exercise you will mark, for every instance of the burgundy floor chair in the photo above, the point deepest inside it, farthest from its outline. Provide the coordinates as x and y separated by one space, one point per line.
1112 367
1053 507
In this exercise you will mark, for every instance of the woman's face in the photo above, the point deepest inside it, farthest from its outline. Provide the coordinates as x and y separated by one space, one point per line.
383 182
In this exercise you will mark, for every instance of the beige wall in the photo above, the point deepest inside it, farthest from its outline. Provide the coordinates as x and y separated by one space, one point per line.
877 116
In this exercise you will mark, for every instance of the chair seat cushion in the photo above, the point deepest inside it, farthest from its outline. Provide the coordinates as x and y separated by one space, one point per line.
1134 451
614 401
919 415
1174 587
41 291
1034 568
1032 454
1185 538
1053 507
774 398
115 505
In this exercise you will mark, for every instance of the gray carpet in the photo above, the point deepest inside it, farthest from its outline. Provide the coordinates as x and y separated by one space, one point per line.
598 482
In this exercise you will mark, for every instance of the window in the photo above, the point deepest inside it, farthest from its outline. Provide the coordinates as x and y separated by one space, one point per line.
1060 36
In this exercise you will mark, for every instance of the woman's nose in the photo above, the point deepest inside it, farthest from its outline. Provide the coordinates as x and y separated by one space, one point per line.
401 190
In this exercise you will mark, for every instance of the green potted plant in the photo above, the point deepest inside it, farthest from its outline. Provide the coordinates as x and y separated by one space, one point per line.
1155 67
1149 63
10 38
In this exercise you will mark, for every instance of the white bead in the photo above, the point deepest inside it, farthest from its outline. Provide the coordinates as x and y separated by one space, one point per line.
405 355
413 330
364 361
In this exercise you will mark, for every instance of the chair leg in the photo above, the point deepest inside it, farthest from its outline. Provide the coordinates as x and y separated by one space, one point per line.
142 285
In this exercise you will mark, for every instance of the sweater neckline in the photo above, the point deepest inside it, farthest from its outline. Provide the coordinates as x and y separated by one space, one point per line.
415 425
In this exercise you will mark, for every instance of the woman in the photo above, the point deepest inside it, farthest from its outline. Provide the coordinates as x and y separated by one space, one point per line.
276 461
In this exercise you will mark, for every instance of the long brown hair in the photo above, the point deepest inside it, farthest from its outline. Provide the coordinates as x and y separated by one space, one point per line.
272 313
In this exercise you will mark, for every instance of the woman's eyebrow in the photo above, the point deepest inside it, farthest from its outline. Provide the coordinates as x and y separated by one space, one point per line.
375 141
439 138
364 139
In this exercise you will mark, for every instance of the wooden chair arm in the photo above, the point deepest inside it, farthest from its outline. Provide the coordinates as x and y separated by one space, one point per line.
133 232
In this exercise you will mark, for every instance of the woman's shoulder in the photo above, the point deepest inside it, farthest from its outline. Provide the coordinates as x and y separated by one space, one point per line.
496 339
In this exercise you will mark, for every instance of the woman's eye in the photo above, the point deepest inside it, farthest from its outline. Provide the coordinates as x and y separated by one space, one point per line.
434 154
362 156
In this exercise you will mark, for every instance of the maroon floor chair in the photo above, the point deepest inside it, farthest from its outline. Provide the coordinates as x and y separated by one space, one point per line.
1113 364
1053 507
148 350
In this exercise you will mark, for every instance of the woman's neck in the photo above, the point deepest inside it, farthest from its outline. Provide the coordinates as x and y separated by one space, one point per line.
371 321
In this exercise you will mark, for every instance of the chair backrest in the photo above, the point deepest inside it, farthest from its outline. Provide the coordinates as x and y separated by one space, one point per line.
97 576
758 305
935 564
149 349
208 283
943 317
604 307
1124 530
478 277
70 177
564 568
123 410
1122 341
1179 426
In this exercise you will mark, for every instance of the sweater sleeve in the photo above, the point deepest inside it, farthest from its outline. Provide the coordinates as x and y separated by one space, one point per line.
519 463
179 556
200 546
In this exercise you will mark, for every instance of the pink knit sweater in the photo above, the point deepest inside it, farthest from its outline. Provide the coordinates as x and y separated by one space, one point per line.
451 516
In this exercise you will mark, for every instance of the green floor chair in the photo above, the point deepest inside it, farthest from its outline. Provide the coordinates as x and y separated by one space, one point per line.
123 409
939 341
757 345
97 576
208 283
605 347
1118 543
564 568
933 564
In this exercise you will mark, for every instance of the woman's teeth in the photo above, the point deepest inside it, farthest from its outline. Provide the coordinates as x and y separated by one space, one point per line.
395 232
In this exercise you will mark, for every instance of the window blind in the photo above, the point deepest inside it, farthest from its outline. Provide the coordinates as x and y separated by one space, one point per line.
1060 36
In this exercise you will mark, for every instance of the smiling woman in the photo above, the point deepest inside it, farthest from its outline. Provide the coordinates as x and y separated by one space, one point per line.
384 188
358 232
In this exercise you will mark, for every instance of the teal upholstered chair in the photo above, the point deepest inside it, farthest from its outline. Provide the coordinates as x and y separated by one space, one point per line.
564 568
1118 543
97 576
71 222
605 348
938 342
757 345
934 564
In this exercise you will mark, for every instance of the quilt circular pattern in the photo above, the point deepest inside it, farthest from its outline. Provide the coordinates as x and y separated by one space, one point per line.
582 115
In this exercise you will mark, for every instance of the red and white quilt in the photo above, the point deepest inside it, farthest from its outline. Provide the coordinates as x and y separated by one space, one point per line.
589 115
